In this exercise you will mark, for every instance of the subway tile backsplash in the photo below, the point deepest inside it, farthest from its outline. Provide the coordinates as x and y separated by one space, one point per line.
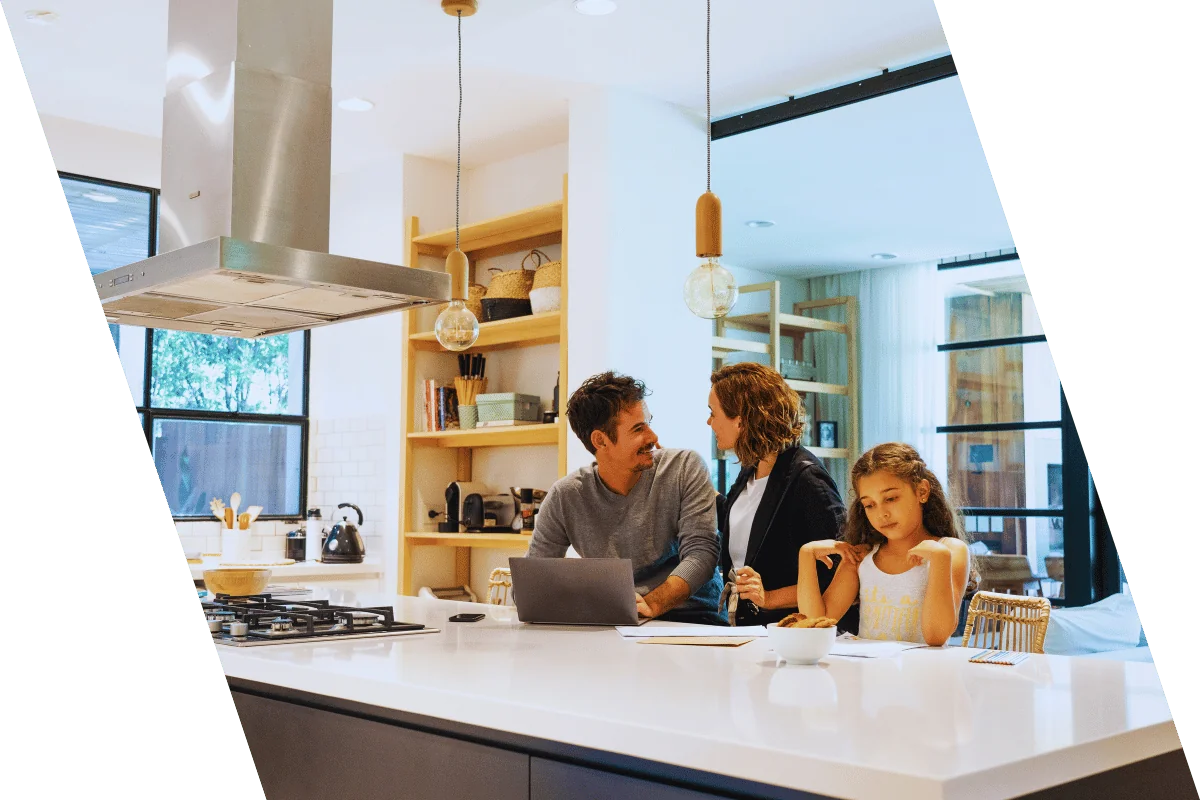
345 465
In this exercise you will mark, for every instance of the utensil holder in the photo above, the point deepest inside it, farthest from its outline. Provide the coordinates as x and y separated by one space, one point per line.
468 417
235 546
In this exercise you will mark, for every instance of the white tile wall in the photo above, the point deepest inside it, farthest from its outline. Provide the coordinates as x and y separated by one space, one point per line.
346 465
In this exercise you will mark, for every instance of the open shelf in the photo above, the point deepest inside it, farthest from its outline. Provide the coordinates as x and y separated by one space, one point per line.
488 540
787 322
490 437
821 388
829 452
532 227
819 452
724 344
525 331
422 471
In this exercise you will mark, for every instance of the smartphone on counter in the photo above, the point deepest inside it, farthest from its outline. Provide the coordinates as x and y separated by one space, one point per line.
467 617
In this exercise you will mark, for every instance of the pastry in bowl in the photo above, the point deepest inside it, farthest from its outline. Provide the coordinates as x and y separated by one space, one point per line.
800 640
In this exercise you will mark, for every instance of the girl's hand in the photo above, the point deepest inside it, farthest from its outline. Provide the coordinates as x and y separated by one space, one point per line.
750 587
822 550
928 550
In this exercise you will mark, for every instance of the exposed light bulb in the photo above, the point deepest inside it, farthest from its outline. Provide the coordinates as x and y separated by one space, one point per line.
456 327
710 290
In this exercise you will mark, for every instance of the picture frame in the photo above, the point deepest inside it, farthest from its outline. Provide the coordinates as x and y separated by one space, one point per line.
827 434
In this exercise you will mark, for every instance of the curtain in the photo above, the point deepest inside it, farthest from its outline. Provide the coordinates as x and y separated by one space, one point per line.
902 376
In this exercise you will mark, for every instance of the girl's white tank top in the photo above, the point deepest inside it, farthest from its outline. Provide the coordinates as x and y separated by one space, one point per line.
890 605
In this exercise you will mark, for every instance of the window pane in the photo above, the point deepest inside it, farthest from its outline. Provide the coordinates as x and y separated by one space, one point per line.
113 223
131 347
1002 384
991 301
199 372
1022 549
1008 469
198 461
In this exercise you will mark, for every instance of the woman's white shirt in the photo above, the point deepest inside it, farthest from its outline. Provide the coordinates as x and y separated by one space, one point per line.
741 519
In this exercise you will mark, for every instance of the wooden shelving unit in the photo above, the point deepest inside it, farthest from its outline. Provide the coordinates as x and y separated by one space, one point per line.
796 325
530 228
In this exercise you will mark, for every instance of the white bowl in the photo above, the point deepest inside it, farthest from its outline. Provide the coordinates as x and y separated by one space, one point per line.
801 645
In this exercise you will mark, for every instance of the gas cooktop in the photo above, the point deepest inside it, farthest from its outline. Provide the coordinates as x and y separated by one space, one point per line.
260 619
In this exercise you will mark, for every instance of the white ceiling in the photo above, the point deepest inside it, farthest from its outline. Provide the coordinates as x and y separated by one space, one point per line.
902 174
103 62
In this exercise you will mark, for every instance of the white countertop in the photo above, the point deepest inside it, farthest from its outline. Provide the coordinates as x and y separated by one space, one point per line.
926 724
370 567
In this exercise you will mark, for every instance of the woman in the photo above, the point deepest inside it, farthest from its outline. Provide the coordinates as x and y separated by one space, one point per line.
782 499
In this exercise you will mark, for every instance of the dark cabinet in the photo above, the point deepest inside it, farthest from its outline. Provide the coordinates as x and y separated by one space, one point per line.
303 752
553 780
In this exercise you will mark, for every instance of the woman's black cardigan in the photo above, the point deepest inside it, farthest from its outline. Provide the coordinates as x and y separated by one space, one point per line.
800 504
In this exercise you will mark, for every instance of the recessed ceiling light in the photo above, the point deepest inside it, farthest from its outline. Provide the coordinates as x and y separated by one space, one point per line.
100 197
883 256
759 223
356 104
41 17
595 8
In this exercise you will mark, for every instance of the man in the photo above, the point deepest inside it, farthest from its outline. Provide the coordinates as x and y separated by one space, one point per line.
639 501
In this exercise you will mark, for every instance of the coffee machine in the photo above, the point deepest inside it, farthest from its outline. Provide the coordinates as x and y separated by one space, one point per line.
474 507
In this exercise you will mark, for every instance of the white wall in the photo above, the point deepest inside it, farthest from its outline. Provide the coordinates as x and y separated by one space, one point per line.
106 153
637 168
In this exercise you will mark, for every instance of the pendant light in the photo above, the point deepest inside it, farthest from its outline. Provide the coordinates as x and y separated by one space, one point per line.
710 291
456 327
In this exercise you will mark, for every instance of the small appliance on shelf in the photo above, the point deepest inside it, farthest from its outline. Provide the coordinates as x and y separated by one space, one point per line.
503 409
474 507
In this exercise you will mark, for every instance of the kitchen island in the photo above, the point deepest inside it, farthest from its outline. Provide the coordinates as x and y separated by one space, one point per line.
498 709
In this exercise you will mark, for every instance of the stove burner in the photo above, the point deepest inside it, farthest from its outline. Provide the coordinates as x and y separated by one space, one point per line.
259 619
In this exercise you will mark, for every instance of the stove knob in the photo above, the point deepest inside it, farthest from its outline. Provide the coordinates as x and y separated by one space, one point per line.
281 625
238 629
214 624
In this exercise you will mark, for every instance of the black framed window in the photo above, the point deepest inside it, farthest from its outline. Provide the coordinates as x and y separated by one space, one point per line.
220 414
1014 461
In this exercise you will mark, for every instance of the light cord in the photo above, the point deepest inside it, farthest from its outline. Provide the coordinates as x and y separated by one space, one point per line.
458 162
708 93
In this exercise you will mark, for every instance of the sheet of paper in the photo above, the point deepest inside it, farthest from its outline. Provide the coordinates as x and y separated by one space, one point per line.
644 631
704 641
854 647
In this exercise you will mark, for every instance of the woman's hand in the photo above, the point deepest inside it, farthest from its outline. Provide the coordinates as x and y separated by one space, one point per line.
928 550
823 549
750 587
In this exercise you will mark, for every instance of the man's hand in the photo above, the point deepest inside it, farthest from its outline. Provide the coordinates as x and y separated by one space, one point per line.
643 608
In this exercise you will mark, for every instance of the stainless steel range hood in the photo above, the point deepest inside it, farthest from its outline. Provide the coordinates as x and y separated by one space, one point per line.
244 207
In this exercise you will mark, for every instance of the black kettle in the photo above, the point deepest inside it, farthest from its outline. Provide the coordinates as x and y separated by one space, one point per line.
344 545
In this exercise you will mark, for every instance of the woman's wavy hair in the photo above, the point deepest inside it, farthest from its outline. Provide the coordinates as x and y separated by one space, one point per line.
771 412
938 513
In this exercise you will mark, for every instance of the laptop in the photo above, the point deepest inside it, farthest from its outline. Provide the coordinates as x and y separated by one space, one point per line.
574 591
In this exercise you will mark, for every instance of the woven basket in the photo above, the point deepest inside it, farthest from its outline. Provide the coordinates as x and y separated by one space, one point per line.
547 275
512 285
475 295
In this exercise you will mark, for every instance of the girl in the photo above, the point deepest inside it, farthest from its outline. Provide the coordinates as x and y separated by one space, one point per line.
904 555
